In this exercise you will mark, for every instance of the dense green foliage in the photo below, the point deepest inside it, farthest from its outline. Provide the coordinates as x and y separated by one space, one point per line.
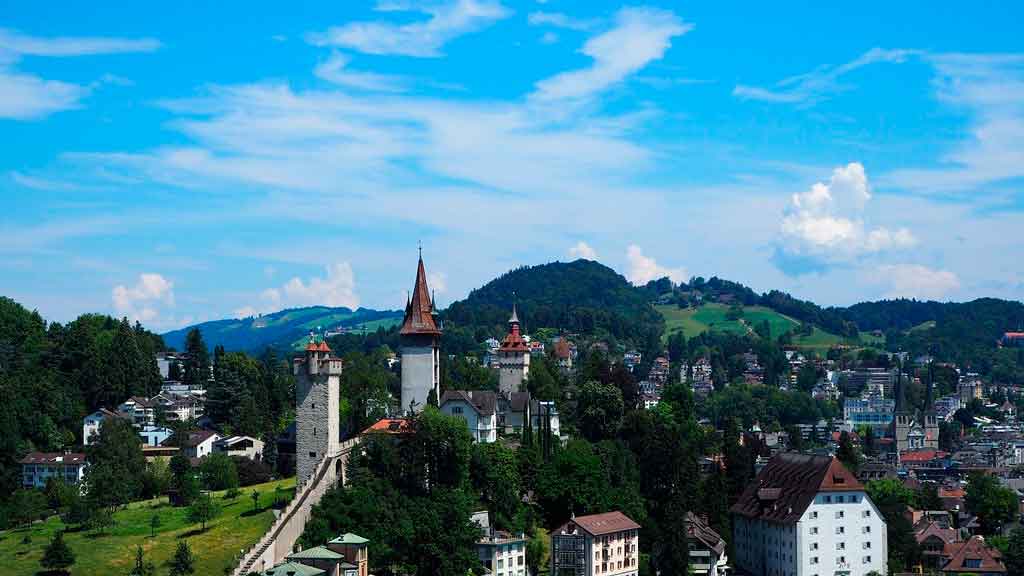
581 297
993 503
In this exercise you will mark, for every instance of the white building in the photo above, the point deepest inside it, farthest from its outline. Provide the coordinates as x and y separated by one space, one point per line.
478 408
807 515
707 548
91 424
544 413
599 544
38 467
199 443
244 446
140 411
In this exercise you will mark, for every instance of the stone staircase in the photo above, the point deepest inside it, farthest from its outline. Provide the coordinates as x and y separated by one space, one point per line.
280 538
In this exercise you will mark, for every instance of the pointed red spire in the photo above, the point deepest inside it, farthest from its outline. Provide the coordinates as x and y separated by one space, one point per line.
418 317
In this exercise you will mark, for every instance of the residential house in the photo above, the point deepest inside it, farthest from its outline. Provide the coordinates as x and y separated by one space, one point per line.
707 548
244 446
544 413
346 555
91 424
805 515
936 542
294 569
564 353
140 411
975 557
477 407
154 435
513 411
38 467
502 553
198 443
599 544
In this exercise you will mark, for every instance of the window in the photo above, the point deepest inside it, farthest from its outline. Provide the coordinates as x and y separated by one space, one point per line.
814 545
828 499
839 499
456 409
839 514
312 454
867 545
972 562
867 559
313 406
814 559
814 529
840 545
866 530
314 430
840 530
866 514
841 560
814 515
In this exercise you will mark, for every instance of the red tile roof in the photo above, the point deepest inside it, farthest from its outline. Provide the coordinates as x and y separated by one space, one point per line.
601 524
390 426
562 349
513 341
975 549
920 456
419 318
53 458
789 483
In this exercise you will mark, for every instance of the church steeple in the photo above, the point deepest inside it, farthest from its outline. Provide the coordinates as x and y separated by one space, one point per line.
901 393
419 312
929 399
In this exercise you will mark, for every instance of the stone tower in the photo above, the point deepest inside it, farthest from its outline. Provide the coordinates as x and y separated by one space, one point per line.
317 418
420 343
931 420
513 358
902 418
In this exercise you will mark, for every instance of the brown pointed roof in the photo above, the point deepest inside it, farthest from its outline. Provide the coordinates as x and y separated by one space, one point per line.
985 560
513 341
419 317
789 483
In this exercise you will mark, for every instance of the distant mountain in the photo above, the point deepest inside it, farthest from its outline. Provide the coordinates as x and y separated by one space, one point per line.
580 296
284 329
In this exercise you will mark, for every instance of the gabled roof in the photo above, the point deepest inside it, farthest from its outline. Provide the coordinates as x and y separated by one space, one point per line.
975 549
483 401
419 318
53 458
600 524
789 483
350 539
294 569
390 426
922 455
933 528
317 552
697 529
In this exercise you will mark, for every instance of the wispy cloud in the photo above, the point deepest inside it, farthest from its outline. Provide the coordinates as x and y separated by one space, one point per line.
990 89
914 281
560 20
639 36
29 97
336 288
821 83
424 39
336 71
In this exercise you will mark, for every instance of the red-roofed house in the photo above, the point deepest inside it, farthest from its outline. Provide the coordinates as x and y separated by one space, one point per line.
390 426
975 557
599 544
806 514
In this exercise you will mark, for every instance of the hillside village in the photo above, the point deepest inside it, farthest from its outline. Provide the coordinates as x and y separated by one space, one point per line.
909 462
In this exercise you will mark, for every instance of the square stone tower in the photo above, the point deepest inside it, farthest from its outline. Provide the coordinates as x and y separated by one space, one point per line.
420 341
317 417
513 358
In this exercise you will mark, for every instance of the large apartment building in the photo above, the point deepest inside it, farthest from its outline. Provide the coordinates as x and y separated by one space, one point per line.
596 545
807 515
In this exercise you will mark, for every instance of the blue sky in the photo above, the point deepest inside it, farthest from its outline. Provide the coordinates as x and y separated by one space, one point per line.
177 165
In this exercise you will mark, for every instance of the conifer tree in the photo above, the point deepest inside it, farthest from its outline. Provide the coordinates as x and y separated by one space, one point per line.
57 557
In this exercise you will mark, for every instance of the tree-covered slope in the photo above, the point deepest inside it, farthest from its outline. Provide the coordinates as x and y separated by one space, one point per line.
581 296
283 329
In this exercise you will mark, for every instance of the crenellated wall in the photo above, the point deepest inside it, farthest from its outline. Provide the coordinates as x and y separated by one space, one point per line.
279 541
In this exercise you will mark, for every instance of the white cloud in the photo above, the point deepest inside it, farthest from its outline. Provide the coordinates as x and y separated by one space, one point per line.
335 70
813 87
336 288
915 281
423 38
549 37
29 97
643 269
640 35
825 224
438 281
146 301
582 250
559 20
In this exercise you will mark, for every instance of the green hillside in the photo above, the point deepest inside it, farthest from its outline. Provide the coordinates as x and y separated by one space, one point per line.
715 317
284 329
235 529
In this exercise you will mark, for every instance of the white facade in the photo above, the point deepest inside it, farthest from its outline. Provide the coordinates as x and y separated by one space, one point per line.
244 446
839 534
91 424
503 555
37 468
421 371
483 426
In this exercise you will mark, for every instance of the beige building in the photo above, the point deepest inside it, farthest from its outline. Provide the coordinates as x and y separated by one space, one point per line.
596 545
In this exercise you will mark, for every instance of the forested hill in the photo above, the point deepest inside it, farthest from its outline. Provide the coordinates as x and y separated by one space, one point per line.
281 330
581 296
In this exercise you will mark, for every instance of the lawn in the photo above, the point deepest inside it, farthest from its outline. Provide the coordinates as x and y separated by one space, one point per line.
237 528
694 321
